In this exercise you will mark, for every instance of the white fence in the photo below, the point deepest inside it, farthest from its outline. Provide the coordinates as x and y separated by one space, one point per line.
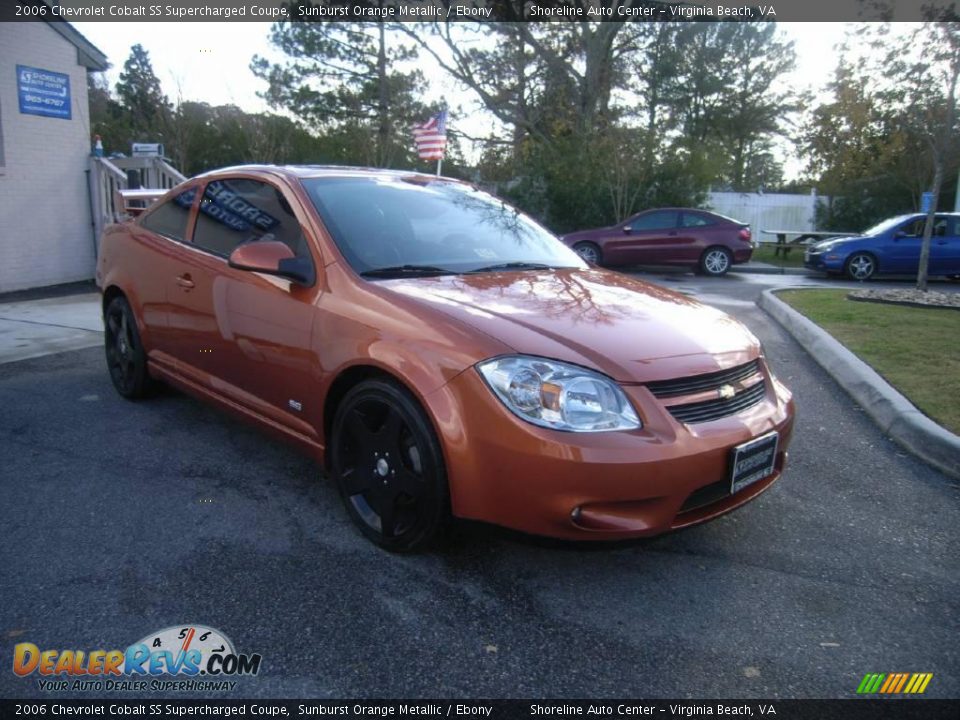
764 211
108 176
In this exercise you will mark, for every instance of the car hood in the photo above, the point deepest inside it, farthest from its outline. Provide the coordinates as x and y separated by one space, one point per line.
832 242
586 234
631 330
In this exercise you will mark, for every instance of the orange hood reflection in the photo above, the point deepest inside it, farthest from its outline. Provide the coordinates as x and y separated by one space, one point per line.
614 323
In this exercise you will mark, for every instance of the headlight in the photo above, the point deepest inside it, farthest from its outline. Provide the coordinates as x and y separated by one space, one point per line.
559 396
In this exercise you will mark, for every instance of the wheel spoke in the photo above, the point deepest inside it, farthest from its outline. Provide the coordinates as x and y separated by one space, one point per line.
407 482
359 433
388 516
389 432
356 482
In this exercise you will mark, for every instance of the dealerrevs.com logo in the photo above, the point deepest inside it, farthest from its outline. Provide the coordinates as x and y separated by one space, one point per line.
198 657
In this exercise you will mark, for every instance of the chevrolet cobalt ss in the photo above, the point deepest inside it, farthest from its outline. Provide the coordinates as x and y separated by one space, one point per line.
441 354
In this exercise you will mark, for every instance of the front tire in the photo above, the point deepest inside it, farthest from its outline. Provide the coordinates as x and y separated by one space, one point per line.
589 252
861 266
388 466
715 261
126 357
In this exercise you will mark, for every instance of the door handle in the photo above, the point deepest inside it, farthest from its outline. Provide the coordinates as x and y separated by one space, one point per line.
185 281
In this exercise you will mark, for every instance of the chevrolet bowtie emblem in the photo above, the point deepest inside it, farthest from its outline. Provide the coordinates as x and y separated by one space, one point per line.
726 392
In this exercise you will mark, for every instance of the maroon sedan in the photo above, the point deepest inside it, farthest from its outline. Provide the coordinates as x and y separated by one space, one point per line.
702 240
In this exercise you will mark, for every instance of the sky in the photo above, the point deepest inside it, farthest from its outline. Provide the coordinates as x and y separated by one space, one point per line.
210 62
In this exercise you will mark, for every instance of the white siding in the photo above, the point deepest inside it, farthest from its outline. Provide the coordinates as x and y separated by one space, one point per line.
45 233
767 211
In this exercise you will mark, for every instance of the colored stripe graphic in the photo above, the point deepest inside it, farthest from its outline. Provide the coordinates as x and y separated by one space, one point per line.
894 683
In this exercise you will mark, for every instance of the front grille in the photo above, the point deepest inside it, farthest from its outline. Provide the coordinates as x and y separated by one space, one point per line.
700 383
708 410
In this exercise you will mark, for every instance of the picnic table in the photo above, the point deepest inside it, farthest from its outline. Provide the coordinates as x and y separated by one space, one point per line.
802 238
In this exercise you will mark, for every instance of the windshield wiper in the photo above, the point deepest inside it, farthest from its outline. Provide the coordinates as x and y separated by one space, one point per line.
400 270
512 266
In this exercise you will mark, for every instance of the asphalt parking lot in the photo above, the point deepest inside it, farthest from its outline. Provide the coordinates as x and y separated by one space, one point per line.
120 519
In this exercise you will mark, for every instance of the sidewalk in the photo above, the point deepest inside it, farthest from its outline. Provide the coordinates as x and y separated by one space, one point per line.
31 328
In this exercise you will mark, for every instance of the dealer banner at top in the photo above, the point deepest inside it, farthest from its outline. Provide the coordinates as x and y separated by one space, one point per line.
478 10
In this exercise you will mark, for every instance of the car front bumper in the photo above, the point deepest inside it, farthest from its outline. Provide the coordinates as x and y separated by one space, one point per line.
824 262
595 486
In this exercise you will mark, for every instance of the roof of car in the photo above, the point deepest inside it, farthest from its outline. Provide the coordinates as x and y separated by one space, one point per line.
312 171
694 210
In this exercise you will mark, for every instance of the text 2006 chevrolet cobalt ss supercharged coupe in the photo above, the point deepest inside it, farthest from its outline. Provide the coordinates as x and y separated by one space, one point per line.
441 354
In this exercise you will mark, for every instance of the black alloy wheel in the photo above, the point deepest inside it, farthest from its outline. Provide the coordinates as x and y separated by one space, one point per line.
126 358
388 466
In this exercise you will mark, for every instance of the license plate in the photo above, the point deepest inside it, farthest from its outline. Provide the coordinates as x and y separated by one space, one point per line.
753 461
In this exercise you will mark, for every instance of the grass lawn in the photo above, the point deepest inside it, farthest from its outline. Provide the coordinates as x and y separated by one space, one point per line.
917 350
764 254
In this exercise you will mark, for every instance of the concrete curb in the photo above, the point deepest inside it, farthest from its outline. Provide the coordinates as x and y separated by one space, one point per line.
895 415
772 270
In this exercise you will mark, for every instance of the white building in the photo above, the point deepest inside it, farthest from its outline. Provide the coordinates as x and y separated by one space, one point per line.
46 231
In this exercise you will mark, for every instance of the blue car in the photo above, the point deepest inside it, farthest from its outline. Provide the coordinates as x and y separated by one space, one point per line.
892 247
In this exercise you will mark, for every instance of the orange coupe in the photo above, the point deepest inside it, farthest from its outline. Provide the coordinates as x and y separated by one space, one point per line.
441 354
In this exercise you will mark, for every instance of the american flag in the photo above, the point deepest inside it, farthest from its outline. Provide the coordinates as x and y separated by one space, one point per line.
431 137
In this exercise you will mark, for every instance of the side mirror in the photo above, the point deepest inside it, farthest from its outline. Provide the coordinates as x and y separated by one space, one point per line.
627 229
273 258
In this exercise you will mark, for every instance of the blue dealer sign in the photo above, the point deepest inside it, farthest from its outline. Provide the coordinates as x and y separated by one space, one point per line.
43 92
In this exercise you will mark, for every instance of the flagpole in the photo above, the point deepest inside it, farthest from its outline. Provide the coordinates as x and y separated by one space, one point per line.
439 163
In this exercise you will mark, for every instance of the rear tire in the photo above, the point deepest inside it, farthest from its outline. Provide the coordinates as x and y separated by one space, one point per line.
388 466
715 261
589 252
126 357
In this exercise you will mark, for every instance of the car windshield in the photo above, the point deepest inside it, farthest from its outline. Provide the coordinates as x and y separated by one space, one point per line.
388 227
888 224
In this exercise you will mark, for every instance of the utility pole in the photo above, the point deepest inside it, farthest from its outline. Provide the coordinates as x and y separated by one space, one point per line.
956 199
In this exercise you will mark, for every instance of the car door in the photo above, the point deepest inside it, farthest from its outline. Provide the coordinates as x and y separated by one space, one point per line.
247 335
157 236
690 241
649 237
945 246
899 252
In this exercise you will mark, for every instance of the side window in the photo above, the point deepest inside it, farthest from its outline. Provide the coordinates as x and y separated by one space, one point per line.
941 226
691 220
170 218
914 228
239 210
654 221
